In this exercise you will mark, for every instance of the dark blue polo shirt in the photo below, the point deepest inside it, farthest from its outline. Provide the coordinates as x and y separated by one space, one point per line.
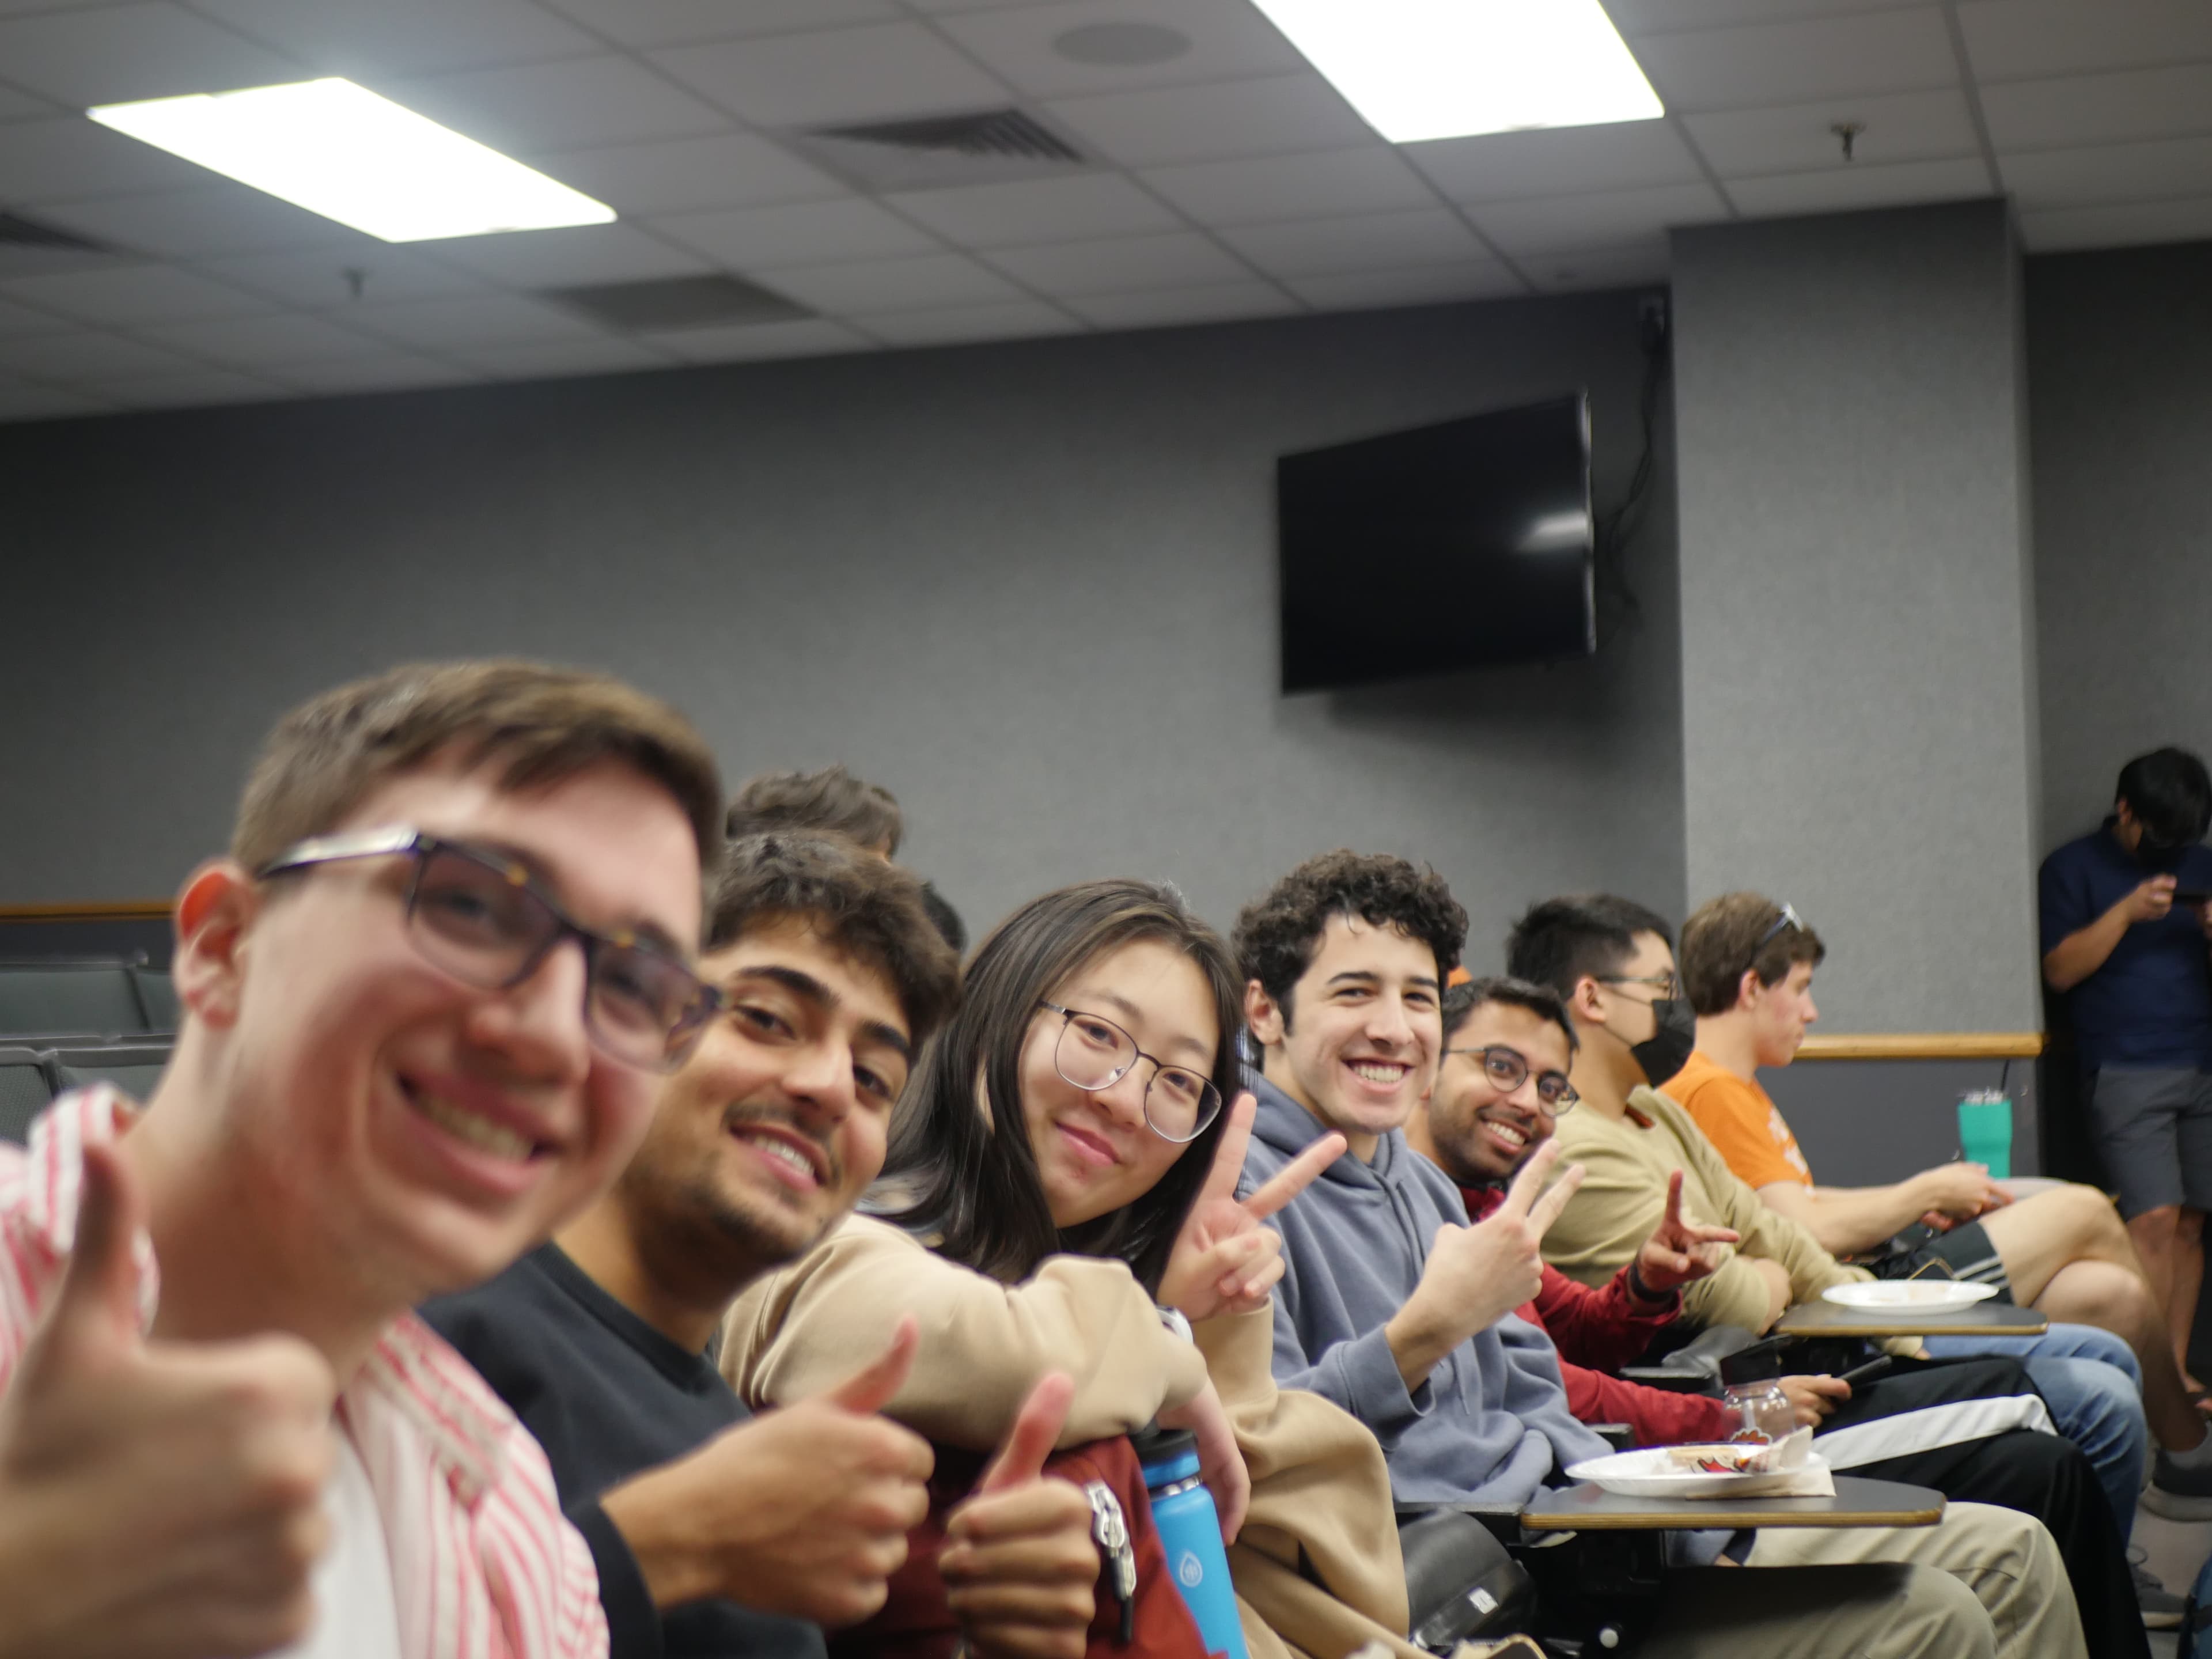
2150 1005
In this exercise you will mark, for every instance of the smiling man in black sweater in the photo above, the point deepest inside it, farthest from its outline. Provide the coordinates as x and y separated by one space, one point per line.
715 1533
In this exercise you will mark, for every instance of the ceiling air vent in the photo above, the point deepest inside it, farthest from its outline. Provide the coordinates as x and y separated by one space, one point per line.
674 302
980 147
15 231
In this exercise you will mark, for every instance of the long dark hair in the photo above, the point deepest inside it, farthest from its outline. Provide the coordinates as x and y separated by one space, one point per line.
972 1184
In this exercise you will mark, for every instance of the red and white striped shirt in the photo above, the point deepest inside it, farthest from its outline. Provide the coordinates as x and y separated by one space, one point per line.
483 1564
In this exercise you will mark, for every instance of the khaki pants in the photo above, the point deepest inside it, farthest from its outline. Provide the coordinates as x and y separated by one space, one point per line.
2008 1559
1870 1610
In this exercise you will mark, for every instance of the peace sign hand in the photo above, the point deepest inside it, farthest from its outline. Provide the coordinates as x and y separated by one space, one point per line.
1680 1252
1224 1261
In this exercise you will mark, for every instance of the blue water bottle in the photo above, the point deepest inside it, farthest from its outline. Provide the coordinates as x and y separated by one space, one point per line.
1190 1534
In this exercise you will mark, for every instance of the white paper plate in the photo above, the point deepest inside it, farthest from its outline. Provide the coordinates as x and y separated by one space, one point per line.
1654 1473
1922 1295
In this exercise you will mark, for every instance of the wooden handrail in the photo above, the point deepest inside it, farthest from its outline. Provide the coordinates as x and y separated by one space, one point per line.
1922 1045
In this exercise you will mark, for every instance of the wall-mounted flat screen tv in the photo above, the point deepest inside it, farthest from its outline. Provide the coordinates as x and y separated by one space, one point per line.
1452 546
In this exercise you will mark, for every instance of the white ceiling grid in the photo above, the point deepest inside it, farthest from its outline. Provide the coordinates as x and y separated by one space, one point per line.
1230 181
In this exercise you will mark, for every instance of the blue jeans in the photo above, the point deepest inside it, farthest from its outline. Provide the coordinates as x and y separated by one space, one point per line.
2090 1380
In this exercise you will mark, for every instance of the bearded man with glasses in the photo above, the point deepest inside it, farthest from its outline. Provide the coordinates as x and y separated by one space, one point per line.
394 1076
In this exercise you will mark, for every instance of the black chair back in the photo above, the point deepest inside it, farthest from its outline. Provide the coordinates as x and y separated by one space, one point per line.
26 1084
100 996
133 1067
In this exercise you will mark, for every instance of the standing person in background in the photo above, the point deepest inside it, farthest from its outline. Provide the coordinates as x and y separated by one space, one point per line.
834 801
2126 912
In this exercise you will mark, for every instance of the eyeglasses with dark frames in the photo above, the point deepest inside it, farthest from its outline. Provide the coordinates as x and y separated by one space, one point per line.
1094 1053
480 915
1789 918
1507 1069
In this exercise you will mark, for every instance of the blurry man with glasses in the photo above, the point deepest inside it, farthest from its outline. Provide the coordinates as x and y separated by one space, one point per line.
428 996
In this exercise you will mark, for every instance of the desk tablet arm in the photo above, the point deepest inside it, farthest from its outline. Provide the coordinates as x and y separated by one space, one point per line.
1695 1367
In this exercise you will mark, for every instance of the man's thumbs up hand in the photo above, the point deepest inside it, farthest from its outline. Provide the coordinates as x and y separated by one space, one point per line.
158 1499
1018 1562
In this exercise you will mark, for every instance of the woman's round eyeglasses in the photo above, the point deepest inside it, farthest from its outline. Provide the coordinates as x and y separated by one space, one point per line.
1094 1053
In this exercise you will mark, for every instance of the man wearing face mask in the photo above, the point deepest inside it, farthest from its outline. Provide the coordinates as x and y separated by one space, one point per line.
1610 962
2124 923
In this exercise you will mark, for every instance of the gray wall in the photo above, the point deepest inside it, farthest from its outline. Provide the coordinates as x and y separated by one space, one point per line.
2120 352
1029 587
1868 1122
1857 634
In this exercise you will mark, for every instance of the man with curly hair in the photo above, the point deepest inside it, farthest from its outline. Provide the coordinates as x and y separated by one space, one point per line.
1392 1307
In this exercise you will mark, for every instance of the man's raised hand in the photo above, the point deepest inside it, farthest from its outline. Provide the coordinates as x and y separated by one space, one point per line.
803 1512
1225 1261
1018 1563
1680 1252
1475 1275
162 1500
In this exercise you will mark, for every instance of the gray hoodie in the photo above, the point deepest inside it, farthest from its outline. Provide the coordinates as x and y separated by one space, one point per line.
1490 1421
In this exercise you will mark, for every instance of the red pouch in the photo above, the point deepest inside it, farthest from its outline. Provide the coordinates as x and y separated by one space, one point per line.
915 1622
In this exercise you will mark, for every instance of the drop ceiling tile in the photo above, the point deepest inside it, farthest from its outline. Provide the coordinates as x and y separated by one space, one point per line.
266 341
1182 260
674 22
532 360
1167 308
1253 189
952 326
1910 126
21 106
1845 190
579 254
86 356
1589 269
2028 40
210 222
1638 17
195 389
468 319
756 342
2099 109
943 279
1372 242
1226 40
22 401
134 294
729 169
1267 117
1797 62
316 279
119 53
1029 211
872 72
1419 285
571 104
51 161
26 320
397 372
2132 224
2109 173
403 37
1557 162
1604 219
798 233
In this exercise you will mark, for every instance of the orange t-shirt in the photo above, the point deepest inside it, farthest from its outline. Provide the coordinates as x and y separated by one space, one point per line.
1742 1121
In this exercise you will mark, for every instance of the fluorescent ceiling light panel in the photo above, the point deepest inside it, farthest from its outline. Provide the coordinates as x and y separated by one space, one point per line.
1450 68
338 149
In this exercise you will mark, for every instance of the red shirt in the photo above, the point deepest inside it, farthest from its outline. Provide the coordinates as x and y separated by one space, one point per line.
1599 1328
483 1564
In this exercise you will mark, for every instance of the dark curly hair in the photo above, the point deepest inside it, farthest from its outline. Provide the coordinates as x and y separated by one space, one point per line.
1277 936
871 911
831 800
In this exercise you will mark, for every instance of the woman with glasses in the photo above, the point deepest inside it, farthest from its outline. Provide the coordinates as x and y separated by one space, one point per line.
1064 1156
